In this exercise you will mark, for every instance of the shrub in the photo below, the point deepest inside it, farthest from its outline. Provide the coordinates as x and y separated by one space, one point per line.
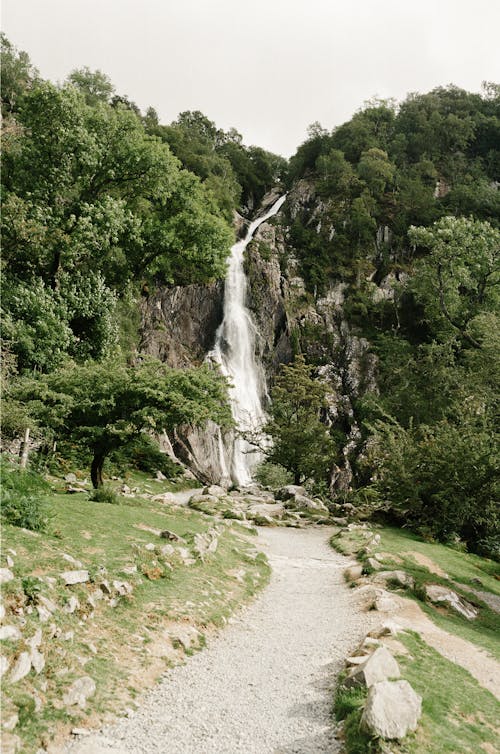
24 498
105 494
272 475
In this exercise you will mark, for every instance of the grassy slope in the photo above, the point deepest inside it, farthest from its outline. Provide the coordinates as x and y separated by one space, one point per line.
461 567
116 647
458 714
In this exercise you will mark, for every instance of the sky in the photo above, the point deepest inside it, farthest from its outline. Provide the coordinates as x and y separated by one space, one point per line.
269 68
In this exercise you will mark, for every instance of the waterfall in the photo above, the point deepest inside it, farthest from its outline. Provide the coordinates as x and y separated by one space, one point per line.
234 351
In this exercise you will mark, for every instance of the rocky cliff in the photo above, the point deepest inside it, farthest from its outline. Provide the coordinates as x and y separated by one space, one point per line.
179 327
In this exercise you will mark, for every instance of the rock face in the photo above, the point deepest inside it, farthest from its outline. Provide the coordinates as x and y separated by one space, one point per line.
441 595
392 710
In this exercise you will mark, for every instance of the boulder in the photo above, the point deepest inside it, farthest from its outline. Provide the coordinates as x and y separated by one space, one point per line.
379 666
442 595
72 560
374 564
9 633
21 668
339 521
37 660
399 577
70 478
354 572
170 535
392 710
5 575
79 691
289 491
71 605
386 603
167 551
75 577
123 588
214 490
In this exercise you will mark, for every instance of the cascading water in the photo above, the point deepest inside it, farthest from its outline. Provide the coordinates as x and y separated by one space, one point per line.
234 351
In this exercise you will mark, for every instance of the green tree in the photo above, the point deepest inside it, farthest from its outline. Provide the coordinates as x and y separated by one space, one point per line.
95 85
103 407
301 442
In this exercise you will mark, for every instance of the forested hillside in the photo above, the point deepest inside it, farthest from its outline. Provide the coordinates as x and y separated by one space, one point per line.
395 214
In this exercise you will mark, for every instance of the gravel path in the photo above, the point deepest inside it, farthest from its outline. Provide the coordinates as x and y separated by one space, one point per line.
264 684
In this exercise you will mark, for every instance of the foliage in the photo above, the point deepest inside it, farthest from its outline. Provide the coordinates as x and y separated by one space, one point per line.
272 475
105 494
24 498
105 406
301 442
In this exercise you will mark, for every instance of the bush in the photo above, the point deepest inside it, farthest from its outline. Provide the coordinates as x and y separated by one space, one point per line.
24 498
105 494
272 475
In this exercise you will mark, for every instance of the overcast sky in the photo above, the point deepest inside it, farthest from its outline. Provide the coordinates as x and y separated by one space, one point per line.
267 67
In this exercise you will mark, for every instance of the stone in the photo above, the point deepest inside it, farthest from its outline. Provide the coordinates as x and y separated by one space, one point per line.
9 633
339 521
72 604
170 535
150 547
10 722
5 575
399 577
21 668
387 628
48 604
289 491
123 588
186 556
9 561
353 572
441 595
185 635
75 577
214 490
72 560
379 666
105 587
35 640
37 660
160 476
167 551
392 710
374 564
4 665
43 614
386 603
79 691
125 489
70 478
2 612
129 570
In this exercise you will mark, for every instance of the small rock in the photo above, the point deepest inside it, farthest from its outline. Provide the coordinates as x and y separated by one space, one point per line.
70 478
9 561
399 577
2 612
75 577
4 665
150 547
214 490
125 489
290 490
9 633
35 640
48 604
10 722
81 732
72 560
354 572
21 668
387 628
167 551
72 604
105 587
385 603
379 666
392 709
170 535
123 587
5 575
129 570
79 691
160 476
68 636
37 660
374 564
339 521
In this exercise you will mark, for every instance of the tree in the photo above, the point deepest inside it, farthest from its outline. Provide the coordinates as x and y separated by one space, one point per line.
95 85
459 278
301 442
106 406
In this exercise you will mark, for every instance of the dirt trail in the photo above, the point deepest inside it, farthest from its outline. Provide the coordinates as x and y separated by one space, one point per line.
264 685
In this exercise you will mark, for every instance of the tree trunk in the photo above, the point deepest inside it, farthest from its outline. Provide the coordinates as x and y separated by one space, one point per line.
25 447
96 469
296 478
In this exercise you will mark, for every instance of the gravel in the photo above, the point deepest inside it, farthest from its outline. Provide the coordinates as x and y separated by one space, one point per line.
265 683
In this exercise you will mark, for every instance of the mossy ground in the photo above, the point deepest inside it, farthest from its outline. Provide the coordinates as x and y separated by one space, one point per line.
117 647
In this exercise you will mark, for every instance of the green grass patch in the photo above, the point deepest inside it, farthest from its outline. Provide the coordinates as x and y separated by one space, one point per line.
116 646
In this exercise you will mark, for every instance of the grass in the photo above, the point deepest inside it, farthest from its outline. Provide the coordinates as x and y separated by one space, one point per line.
462 568
121 648
458 715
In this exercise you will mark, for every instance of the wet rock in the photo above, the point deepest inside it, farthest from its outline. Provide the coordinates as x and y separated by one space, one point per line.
75 577
6 575
379 666
9 633
392 710
79 691
441 595
21 668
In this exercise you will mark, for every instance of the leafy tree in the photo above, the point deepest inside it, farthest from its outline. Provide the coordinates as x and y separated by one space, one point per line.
103 407
301 442
18 75
95 85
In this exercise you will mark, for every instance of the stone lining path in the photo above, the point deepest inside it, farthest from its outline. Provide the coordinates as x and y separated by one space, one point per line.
264 685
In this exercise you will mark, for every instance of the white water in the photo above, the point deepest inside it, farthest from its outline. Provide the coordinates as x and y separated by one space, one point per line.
234 351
